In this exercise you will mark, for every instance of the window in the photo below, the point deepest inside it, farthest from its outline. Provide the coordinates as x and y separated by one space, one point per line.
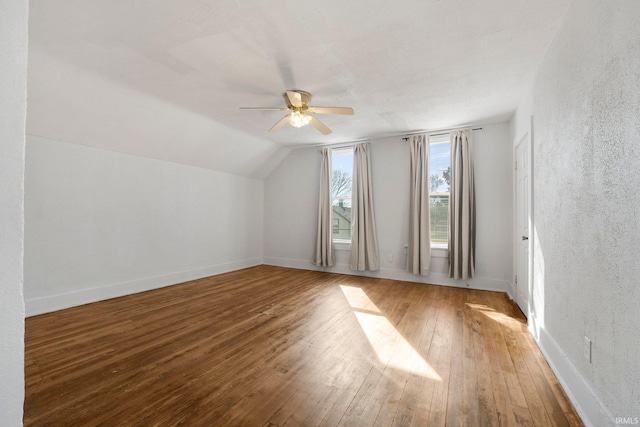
341 174
439 184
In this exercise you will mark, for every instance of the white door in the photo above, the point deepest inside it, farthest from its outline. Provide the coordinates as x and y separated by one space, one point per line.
522 224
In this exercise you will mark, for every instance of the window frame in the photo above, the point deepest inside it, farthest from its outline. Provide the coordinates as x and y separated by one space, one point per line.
440 139
338 242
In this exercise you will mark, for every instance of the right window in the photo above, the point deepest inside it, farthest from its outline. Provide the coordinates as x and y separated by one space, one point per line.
439 185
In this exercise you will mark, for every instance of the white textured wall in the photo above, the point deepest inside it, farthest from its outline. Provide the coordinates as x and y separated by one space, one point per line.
586 108
291 210
100 224
13 87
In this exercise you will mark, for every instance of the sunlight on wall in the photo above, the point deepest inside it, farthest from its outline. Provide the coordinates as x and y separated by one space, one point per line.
537 291
391 348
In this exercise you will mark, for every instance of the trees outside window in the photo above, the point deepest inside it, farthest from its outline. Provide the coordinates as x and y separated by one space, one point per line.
439 186
341 178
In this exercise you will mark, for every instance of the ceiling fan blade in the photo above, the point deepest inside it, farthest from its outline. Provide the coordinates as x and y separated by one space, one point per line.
294 98
320 126
264 108
283 121
348 111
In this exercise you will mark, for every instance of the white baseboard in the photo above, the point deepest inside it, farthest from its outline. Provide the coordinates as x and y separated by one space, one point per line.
582 396
482 283
49 303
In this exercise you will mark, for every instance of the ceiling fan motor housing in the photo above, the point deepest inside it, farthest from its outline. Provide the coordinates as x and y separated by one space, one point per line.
305 99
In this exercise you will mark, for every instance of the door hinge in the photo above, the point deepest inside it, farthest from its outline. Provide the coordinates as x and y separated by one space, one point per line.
516 162
516 279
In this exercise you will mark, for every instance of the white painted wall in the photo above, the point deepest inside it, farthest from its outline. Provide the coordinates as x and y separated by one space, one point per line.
585 104
291 204
101 224
13 89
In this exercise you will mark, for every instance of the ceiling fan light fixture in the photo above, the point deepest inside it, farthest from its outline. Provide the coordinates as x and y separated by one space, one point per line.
301 113
298 119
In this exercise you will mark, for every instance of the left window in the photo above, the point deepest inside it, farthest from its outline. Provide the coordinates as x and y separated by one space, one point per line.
341 178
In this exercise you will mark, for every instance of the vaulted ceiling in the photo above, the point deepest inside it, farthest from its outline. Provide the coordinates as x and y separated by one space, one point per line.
165 79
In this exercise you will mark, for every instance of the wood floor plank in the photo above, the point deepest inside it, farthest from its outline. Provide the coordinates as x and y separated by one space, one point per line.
275 346
443 347
471 407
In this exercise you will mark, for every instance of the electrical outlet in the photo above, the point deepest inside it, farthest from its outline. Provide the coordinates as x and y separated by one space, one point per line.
587 349
390 257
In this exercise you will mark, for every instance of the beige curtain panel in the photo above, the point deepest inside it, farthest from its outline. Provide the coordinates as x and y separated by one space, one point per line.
364 244
419 251
323 252
462 208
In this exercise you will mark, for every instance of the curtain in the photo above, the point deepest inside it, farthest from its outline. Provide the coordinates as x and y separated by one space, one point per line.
323 252
419 251
462 208
364 244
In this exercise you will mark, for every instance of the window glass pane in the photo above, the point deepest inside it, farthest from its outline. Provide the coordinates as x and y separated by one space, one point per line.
439 183
342 164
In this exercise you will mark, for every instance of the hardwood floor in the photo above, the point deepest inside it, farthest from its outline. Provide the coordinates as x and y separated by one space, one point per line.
275 346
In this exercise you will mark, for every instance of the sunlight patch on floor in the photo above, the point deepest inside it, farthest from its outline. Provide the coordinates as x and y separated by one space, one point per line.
499 317
358 299
391 348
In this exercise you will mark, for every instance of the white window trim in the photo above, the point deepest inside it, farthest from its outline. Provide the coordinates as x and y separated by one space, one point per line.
342 245
440 251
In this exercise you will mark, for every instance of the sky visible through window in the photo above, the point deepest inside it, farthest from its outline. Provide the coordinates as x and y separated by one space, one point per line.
439 161
341 181
342 173
343 160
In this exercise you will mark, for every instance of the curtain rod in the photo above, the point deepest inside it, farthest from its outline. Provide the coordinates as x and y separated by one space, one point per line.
339 145
441 132
348 144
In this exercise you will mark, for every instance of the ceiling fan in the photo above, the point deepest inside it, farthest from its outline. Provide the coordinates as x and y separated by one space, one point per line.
301 113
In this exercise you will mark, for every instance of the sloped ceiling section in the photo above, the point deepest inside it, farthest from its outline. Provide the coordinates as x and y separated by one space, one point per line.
171 75
70 104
